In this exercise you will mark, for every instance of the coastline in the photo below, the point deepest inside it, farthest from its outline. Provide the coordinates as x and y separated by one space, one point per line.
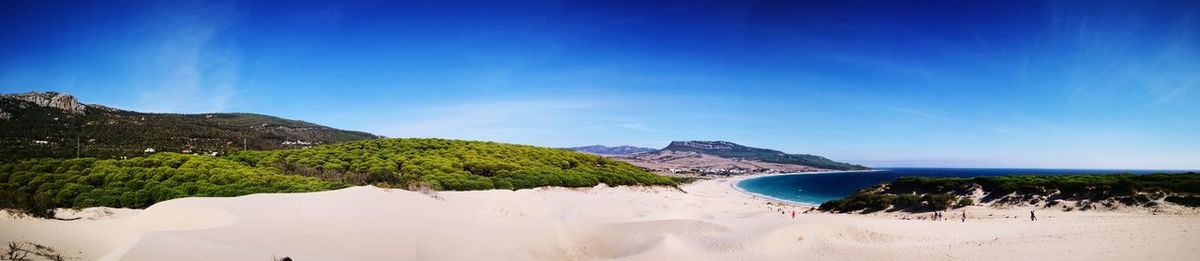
733 182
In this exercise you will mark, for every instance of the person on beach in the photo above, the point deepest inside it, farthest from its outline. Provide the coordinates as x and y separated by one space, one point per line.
1032 217
964 219
793 214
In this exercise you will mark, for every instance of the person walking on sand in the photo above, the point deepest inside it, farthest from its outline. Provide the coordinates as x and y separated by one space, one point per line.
1032 217
793 214
964 216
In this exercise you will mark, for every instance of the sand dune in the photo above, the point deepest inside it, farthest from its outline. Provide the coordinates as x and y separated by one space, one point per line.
711 221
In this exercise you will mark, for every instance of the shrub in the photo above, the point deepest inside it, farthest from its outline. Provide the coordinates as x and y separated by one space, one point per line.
486 165
137 183
963 202
1190 201
932 194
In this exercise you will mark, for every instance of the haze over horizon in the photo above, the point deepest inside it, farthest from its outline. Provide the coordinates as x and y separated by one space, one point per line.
1015 84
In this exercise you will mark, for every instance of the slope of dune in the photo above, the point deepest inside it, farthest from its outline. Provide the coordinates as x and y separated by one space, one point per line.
711 221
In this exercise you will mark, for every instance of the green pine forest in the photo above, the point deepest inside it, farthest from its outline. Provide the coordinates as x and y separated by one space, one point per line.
38 186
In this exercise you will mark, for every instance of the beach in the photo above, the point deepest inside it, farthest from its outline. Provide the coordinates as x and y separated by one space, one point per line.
733 182
705 220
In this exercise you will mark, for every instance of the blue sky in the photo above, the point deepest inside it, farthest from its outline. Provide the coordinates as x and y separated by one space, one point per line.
1096 84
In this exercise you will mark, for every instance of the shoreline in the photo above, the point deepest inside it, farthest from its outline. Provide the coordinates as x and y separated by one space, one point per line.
733 182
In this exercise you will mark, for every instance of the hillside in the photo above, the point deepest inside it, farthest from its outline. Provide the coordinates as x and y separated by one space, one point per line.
34 125
732 150
1067 193
612 151
695 163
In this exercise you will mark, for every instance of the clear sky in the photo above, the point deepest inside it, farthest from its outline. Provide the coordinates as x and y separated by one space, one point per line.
1094 84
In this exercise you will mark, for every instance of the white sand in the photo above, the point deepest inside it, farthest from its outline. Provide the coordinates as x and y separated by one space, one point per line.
710 222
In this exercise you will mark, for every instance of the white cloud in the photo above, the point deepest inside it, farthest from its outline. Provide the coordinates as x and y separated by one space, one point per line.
511 121
189 66
916 112
1126 60
636 126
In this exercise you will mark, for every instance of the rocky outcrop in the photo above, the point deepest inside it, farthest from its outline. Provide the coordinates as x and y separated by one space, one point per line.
56 100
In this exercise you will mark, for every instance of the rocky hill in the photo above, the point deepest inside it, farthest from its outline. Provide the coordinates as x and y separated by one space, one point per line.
612 151
727 149
57 125
704 158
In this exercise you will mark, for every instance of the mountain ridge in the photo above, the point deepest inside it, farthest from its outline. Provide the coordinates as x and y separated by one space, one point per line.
733 150
620 150
57 125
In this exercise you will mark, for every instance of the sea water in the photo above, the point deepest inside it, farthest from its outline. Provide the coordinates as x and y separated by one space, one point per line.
818 188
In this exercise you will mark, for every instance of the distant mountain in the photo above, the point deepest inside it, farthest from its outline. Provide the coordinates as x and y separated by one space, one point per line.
48 124
612 151
732 150
690 162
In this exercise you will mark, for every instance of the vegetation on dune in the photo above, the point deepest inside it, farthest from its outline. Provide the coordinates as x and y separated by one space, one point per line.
21 251
932 194
450 165
1113 184
39 186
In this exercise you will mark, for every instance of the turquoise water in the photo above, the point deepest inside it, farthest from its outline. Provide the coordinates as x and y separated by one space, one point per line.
818 188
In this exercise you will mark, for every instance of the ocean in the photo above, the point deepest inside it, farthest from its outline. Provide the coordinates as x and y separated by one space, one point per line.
818 188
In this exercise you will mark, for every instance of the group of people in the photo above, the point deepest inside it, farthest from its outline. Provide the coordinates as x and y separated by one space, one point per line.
937 215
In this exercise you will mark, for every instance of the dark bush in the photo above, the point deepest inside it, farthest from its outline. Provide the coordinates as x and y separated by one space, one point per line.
963 202
1190 201
932 194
